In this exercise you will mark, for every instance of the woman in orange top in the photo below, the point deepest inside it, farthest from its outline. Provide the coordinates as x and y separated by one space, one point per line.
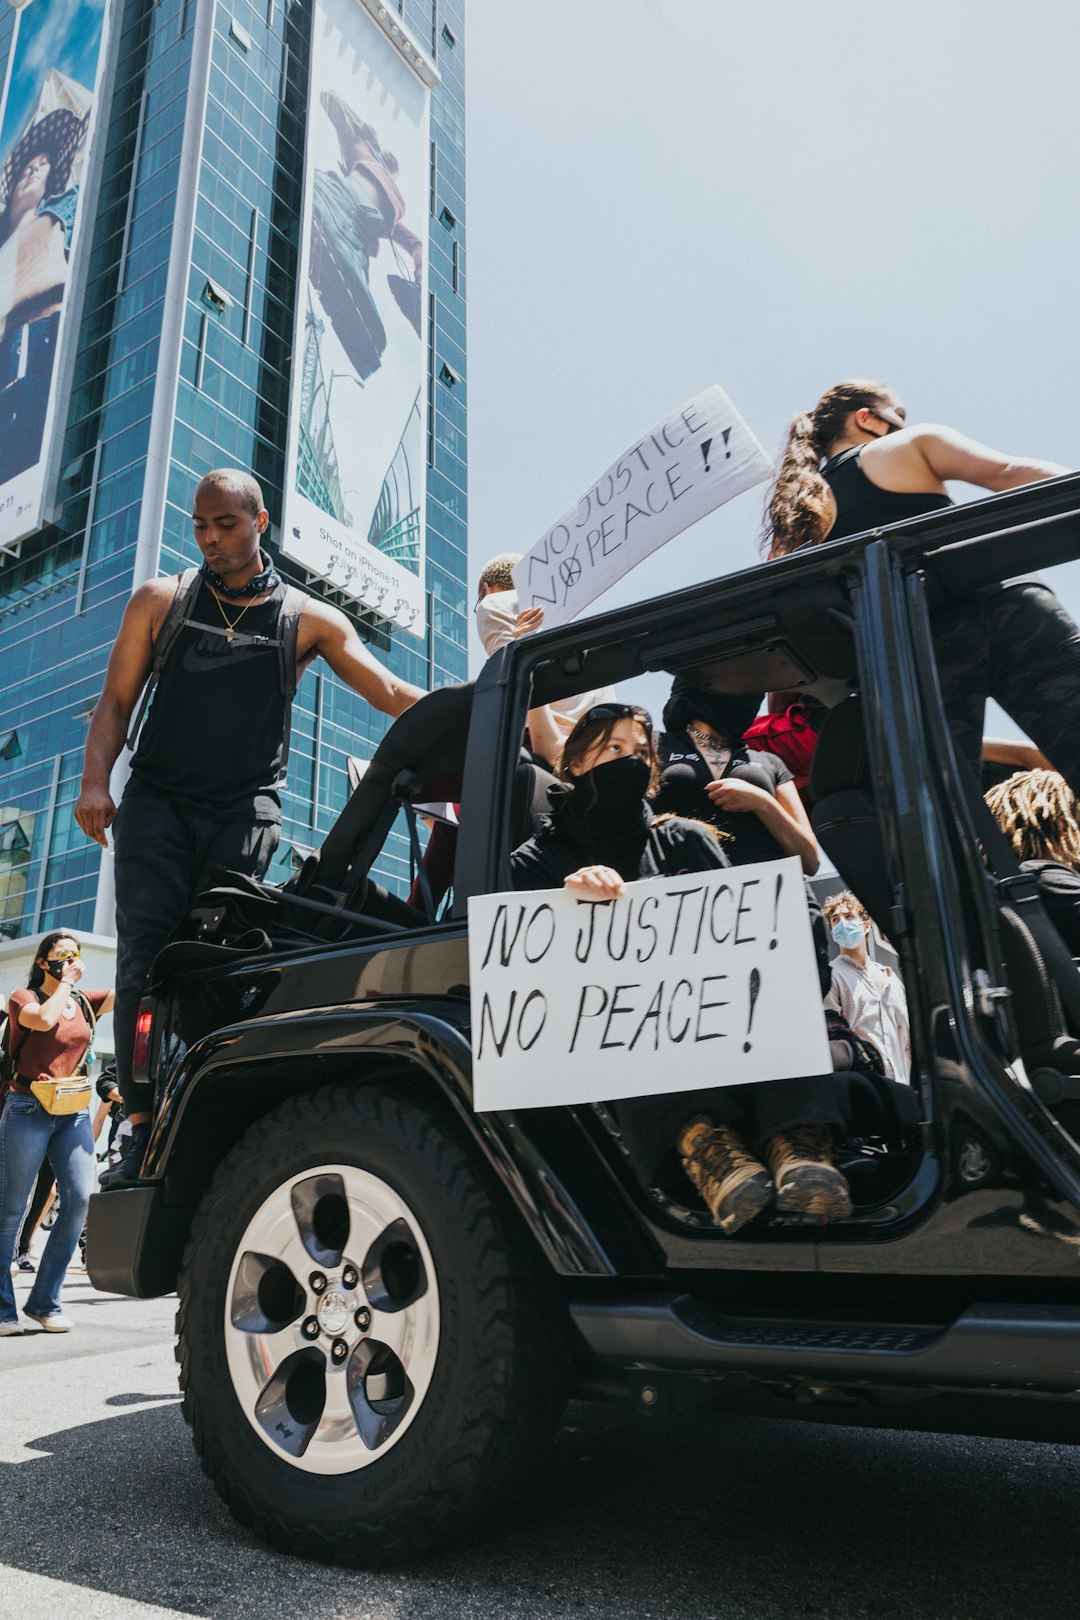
50 1035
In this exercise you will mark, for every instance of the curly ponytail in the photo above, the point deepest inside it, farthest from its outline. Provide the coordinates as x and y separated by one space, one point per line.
799 499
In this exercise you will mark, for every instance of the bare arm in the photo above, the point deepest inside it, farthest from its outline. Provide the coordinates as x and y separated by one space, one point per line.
1025 756
950 455
129 666
546 738
326 631
784 816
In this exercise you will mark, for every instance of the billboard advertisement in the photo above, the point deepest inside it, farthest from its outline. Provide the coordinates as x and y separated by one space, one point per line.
47 120
354 501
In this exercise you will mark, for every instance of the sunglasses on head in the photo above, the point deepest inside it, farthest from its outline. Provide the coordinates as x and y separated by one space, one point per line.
617 711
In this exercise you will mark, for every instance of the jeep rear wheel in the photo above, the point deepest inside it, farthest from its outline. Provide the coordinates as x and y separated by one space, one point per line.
366 1363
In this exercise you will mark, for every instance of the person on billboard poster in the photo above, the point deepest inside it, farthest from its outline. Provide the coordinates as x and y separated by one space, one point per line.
38 203
354 211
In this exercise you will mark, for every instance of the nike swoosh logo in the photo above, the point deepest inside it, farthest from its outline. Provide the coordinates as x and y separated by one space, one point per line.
209 655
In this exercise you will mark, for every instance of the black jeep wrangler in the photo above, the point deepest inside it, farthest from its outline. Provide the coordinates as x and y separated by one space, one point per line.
385 1298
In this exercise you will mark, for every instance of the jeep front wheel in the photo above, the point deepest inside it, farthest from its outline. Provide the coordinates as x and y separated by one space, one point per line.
365 1360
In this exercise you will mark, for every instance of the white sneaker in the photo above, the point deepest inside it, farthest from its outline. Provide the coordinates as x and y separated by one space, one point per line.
57 1322
9 1328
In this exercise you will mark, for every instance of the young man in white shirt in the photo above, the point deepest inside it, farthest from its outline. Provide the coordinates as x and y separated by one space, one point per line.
864 992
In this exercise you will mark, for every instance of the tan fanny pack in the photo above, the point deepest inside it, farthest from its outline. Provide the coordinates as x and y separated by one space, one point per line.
62 1096
71 1095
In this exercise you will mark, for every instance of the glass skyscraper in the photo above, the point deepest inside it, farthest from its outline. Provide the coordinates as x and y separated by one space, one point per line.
184 361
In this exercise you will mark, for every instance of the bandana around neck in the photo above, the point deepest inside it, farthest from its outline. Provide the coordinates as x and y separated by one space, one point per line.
267 580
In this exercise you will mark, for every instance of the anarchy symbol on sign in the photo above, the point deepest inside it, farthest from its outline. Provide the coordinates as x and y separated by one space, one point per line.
570 571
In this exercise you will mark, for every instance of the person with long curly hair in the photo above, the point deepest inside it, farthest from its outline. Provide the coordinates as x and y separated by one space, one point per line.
852 463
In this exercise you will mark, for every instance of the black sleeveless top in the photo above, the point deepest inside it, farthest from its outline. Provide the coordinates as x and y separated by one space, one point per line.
861 505
214 736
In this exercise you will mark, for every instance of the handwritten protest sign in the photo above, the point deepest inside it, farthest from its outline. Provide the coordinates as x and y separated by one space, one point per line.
708 979
688 465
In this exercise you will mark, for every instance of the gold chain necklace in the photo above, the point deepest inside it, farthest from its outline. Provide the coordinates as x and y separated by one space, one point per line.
231 624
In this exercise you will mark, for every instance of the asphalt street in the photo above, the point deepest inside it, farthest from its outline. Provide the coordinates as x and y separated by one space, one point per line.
104 1513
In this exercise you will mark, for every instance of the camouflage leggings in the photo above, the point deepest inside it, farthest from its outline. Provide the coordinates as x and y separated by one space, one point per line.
1017 645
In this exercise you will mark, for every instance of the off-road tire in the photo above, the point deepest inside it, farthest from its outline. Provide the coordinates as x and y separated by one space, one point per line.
497 1386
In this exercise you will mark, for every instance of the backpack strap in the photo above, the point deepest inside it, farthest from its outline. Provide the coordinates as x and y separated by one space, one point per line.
188 585
91 1018
13 1051
288 628
187 589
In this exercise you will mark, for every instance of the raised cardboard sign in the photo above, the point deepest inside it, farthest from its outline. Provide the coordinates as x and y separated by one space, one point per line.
685 467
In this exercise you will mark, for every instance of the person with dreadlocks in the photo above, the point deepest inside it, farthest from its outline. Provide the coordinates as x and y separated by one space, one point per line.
208 768
853 462
1039 815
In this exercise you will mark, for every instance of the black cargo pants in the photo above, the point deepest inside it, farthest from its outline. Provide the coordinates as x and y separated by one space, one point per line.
1016 644
165 856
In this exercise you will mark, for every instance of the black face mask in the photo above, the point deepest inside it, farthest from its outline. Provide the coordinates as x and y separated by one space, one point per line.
612 794
57 964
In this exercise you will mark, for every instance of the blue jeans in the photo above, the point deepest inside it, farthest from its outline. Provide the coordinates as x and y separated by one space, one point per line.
27 1135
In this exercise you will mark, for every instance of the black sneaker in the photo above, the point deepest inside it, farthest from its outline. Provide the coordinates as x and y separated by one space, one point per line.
125 1173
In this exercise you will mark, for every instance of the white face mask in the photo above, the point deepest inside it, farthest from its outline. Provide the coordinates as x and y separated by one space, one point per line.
848 933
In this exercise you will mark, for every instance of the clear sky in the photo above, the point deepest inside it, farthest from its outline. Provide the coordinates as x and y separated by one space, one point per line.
771 195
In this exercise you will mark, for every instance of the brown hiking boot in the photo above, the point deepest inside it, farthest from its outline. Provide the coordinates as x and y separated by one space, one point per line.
807 1180
734 1184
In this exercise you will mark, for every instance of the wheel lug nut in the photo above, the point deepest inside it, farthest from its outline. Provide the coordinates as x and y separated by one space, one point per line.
317 1282
363 1318
310 1327
350 1277
338 1351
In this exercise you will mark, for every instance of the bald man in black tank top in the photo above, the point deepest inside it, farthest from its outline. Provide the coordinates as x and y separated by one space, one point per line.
206 775
1012 642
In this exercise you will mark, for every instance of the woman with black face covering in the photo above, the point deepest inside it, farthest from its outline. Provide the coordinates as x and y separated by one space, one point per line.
602 835
708 773
603 832
50 1036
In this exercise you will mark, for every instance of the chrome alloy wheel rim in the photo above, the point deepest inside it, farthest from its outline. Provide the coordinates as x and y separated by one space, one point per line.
332 1319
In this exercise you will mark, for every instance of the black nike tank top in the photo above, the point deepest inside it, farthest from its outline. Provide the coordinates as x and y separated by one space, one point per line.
214 736
862 505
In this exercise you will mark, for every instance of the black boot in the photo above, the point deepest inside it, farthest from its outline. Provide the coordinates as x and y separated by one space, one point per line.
126 1172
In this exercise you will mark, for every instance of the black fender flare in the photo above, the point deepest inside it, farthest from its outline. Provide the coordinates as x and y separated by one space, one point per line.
536 1154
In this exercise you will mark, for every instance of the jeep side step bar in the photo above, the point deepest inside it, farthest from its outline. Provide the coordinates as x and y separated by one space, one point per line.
1003 1347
